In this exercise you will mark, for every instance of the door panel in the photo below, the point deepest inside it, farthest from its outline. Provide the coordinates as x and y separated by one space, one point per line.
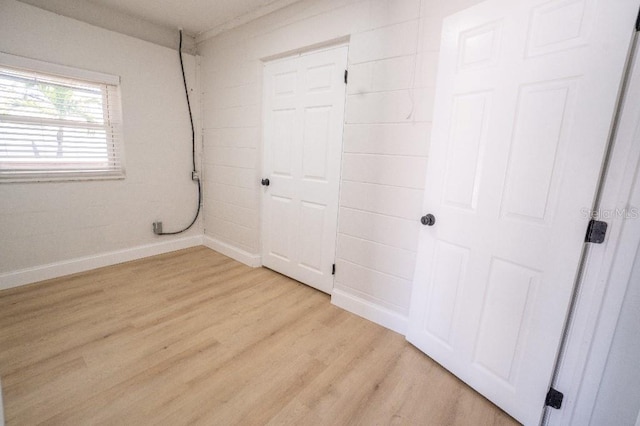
303 121
317 126
283 140
468 139
545 111
525 99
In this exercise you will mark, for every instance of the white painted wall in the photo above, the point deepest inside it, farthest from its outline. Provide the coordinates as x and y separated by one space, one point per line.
392 64
618 399
49 223
115 20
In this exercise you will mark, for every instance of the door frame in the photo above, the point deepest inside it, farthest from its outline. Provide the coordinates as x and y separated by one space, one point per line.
600 291
281 56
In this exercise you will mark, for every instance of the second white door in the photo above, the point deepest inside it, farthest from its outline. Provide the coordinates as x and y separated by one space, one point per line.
525 99
303 119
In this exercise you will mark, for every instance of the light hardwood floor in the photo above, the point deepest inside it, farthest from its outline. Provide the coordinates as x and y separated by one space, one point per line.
193 337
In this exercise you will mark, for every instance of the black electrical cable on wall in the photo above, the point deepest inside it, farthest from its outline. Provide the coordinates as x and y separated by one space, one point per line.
193 147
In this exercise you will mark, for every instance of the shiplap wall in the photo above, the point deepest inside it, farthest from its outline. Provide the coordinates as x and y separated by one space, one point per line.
55 228
393 51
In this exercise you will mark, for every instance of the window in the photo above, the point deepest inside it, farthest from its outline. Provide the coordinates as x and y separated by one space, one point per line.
58 122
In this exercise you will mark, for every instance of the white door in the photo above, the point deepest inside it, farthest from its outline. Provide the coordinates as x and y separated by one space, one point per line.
303 122
525 98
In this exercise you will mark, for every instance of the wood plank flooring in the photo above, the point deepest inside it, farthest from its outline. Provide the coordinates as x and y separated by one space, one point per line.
193 337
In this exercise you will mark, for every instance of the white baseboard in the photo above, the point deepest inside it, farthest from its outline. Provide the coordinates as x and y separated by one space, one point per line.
366 309
249 259
81 264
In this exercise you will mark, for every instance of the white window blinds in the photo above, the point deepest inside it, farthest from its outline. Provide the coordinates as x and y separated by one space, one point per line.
60 123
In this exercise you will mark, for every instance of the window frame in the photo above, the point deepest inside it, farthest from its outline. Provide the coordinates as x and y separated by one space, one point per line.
112 120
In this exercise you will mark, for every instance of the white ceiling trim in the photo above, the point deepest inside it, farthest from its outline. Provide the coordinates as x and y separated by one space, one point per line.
243 19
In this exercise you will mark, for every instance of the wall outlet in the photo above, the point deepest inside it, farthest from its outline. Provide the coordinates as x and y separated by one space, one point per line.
157 227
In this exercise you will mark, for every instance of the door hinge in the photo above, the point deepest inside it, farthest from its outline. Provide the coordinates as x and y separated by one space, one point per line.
596 231
554 399
346 76
333 269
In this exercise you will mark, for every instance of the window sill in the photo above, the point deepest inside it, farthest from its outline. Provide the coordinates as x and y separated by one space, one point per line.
60 177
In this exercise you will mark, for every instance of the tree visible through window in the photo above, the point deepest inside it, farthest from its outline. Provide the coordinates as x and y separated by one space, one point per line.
52 126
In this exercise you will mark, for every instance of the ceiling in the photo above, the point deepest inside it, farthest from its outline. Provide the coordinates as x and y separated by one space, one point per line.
196 17
157 21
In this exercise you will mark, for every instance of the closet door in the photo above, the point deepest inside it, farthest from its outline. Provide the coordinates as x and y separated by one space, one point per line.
302 124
